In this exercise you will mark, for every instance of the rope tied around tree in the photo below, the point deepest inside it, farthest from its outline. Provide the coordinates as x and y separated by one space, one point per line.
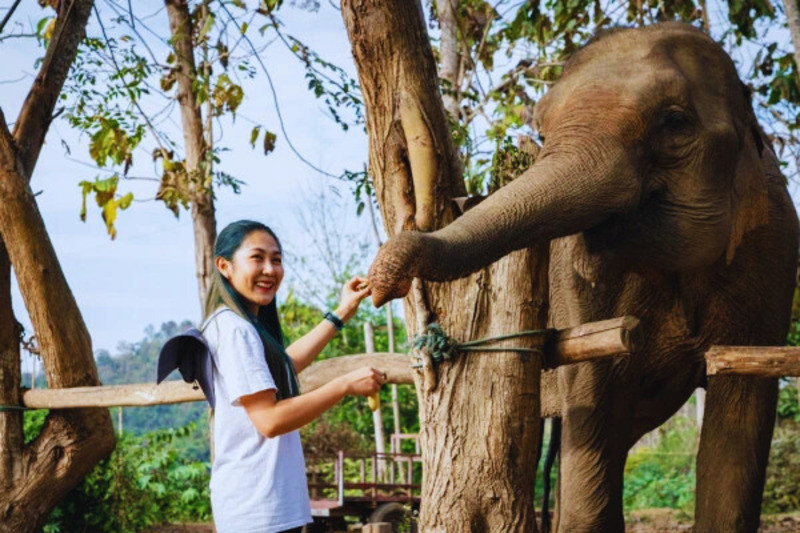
4 408
441 347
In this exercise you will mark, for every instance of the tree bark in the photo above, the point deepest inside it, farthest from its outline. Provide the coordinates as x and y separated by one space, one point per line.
34 478
762 361
72 442
200 193
792 8
11 438
479 413
449 56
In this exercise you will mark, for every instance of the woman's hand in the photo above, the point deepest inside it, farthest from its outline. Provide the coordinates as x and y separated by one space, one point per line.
355 290
365 381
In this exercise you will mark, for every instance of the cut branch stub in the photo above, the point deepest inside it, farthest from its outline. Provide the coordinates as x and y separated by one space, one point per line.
763 361
593 340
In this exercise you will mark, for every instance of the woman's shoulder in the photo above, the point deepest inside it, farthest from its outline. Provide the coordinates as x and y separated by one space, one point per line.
225 319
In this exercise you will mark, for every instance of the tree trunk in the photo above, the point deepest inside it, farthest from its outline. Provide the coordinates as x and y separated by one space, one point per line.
72 442
792 8
197 165
479 413
35 478
449 56
11 441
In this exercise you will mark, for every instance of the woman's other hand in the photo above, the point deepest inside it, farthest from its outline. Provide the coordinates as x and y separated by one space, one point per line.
365 381
355 290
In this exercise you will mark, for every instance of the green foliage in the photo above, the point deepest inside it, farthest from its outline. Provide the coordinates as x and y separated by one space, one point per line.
793 338
298 318
788 408
116 89
105 196
664 475
328 82
32 423
781 490
511 52
146 481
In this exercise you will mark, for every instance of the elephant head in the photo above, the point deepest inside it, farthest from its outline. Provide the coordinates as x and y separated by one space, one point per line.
650 148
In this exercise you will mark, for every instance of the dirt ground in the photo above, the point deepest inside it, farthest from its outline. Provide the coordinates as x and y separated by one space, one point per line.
668 520
650 521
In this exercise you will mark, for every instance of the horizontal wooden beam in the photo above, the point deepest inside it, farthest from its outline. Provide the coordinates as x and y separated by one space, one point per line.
396 366
316 375
573 345
764 361
593 340
113 395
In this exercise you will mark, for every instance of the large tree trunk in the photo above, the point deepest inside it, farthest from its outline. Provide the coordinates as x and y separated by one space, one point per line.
35 478
479 413
197 165
11 440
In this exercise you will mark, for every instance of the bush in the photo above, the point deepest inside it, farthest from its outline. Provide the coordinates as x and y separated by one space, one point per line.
781 490
324 437
146 481
664 475
788 408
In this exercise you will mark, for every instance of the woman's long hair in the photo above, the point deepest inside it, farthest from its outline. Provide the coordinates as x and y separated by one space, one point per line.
221 293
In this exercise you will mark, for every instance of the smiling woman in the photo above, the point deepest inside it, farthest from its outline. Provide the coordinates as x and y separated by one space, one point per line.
256 269
258 481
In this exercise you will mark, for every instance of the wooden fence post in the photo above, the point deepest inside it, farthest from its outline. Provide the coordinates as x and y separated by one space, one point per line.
377 416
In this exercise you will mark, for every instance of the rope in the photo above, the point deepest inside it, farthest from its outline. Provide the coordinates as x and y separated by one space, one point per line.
14 408
441 347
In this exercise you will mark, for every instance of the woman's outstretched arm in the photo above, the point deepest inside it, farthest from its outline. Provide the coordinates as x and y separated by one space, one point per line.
305 349
272 418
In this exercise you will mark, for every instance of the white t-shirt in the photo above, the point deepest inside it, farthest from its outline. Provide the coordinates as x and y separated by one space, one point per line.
258 485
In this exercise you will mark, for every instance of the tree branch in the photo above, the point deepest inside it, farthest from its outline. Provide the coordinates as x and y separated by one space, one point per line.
37 111
8 15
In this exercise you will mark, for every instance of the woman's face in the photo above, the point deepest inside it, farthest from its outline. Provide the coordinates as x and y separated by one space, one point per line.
256 269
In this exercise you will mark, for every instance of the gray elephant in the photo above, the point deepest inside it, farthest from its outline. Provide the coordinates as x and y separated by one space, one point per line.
662 199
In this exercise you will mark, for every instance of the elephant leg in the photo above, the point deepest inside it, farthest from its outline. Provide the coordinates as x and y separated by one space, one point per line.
595 431
734 447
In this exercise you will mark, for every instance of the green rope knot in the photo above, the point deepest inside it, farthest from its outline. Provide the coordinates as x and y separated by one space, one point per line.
436 342
441 347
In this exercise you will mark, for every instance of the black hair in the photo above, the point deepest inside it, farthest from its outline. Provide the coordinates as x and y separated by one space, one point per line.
266 322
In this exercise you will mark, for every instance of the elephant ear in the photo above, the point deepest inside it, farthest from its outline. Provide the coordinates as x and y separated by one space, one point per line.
750 197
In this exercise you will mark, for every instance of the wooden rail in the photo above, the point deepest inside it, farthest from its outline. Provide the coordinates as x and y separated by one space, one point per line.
764 361
587 341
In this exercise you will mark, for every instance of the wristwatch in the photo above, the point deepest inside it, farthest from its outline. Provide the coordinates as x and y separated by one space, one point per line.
335 320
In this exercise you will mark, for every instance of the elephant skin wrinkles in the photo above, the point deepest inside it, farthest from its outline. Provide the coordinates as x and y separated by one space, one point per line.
662 199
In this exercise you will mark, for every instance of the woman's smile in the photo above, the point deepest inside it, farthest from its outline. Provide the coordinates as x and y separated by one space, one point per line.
255 270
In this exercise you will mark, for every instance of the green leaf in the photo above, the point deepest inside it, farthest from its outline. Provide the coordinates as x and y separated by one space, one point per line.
209 23
125 201
254 136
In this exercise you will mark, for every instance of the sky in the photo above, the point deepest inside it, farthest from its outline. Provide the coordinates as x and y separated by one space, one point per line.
146 276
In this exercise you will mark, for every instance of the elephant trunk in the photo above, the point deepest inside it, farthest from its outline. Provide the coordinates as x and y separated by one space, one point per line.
562 194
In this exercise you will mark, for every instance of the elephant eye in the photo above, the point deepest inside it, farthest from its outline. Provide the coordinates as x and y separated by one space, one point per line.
674 121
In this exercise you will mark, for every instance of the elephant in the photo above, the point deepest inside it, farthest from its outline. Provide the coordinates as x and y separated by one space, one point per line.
661 198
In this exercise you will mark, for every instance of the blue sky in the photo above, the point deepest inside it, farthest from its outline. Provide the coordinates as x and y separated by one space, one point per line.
146 276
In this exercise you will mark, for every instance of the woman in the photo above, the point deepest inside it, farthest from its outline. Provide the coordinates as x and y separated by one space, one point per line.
258 481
